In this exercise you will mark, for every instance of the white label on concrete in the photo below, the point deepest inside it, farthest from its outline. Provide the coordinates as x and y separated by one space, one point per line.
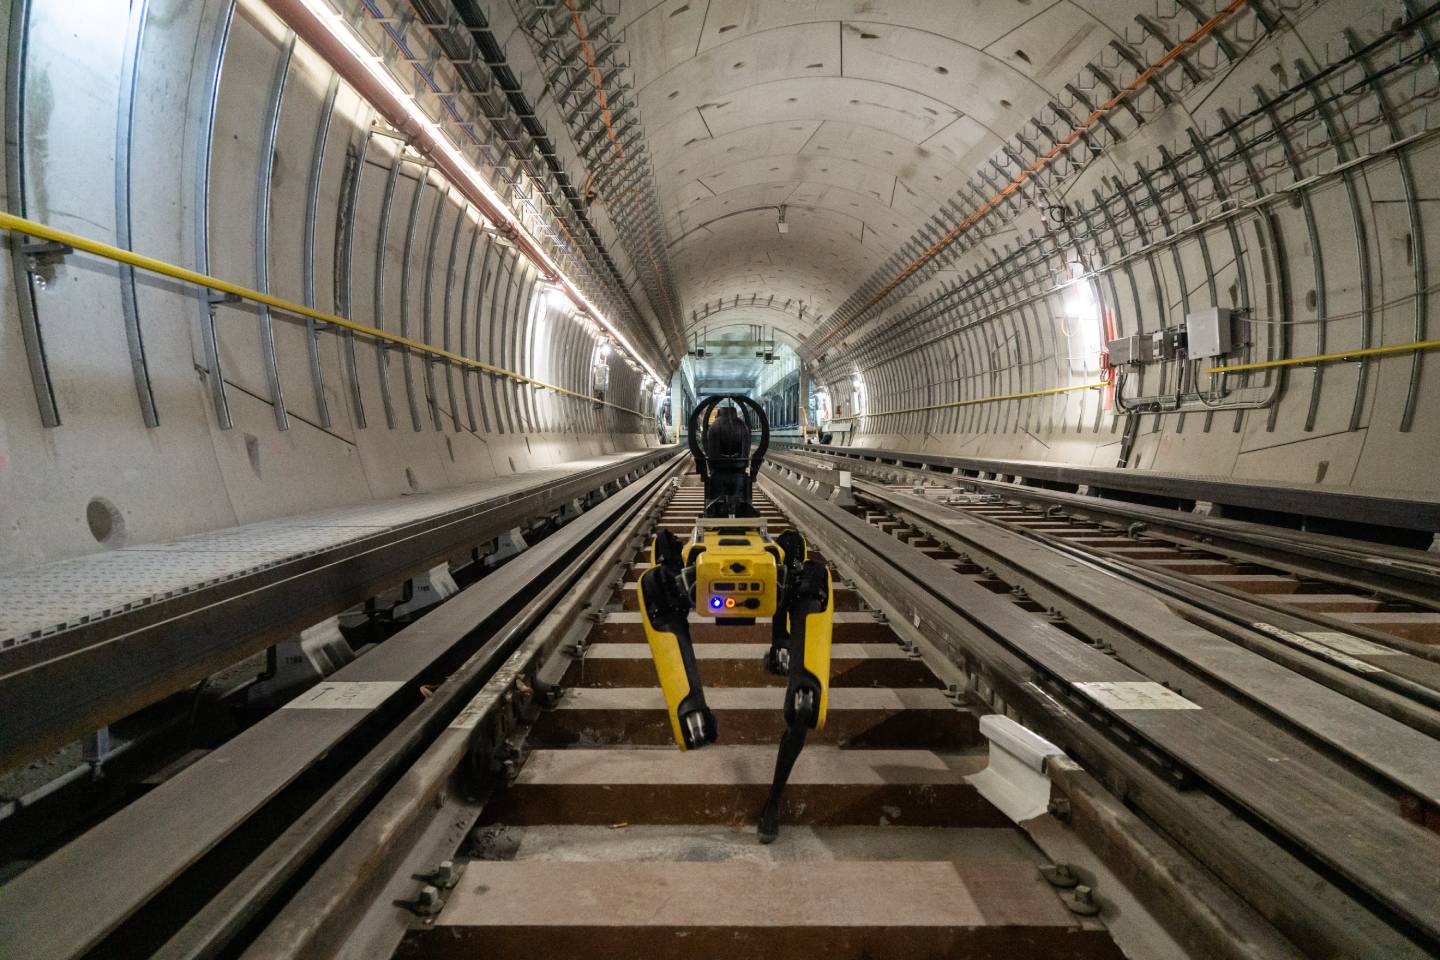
1134 695
345 695
1326 649
1347 643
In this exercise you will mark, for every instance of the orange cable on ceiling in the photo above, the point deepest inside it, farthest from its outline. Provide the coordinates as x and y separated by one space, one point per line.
1043 160
597 82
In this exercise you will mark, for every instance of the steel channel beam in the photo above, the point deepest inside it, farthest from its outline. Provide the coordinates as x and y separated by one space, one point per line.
1412 212
66 685
427 321
382 348
447 323
408 266
464 324
1312 230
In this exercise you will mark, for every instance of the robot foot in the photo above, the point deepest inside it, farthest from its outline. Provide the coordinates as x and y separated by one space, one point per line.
777 662
699 728
769 828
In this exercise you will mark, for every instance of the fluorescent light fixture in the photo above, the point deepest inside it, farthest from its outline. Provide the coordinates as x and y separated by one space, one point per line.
335 24
555 299
1082 310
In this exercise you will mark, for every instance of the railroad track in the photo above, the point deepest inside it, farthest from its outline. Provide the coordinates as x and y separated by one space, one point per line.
609 842
519 791
1266 724
519 787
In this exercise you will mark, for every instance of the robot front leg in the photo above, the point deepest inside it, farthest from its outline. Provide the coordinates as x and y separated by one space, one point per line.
801 705
778 658
665 604
808 617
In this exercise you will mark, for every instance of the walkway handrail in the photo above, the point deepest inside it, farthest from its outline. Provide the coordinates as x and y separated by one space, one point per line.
13 224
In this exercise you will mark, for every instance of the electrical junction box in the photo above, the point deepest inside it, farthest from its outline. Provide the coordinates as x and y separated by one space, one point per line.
1208 332
1168 343
1138 348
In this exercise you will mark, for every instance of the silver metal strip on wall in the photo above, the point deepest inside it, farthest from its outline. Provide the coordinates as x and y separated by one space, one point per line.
465 297
1417 226
406 268
355 163
30 332
307 259
382 348
124 131
1312 230
210 341
432 397
447 318
262 232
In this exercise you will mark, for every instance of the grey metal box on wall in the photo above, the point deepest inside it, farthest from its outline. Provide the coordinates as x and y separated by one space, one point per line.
1137 348
1208 332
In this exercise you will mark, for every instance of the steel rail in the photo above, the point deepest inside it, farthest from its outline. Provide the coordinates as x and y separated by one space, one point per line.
1358 569
1292 851
1408 574
1306 500
214 927
1263 625
1398 698
318 918
21 227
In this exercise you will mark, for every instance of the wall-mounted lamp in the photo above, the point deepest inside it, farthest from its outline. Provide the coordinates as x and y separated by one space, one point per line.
780 224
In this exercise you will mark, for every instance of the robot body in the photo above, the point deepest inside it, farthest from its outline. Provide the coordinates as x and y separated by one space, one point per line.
732 571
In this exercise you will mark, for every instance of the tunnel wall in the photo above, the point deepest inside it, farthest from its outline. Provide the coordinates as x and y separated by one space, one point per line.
1154 228
198 132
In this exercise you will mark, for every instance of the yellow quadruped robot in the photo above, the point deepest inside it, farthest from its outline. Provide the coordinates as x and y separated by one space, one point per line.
732 571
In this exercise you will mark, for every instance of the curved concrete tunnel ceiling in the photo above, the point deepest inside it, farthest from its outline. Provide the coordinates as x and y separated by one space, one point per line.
861 119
